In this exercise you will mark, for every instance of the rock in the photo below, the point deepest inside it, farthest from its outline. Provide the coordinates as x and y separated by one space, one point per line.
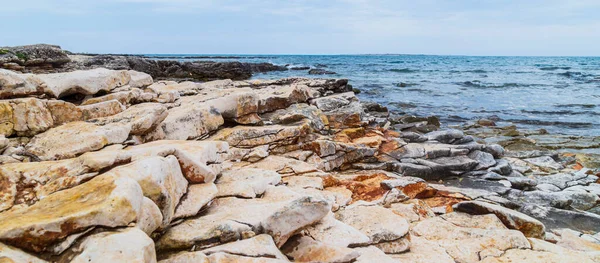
185 123
161 181
14 85
333 232
273 98
564 180
246 183
57 143
272 135
88 82
413 210
522 183
577 199
386 230
279 213
332 155
423 251
542 251
30 117
106 201
101 109
447 136
10 254
142 117
196 197
468 244
372 254
128 245
485 160
298 112
139 79
306 249
496 150
554 218
545 163
529 226
318 71
299 68
260 246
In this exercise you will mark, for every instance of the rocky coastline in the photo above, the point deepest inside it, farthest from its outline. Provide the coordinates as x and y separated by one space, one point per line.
106 160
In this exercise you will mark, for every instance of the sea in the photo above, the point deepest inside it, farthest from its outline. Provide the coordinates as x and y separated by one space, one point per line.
559 94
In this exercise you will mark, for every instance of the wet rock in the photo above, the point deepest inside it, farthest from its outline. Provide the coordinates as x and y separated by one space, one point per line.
484 159
318 71
554 218
447 136
529 226
128 245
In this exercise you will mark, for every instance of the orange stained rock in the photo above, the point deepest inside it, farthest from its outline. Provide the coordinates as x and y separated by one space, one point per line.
365 187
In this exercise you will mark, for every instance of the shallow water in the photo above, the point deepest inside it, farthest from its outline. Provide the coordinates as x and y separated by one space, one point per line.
559 94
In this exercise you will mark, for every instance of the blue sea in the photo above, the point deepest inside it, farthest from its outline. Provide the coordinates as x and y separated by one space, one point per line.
559 94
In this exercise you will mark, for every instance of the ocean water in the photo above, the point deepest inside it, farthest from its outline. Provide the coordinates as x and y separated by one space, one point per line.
559 94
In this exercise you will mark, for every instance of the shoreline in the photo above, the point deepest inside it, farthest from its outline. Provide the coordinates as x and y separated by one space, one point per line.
100 163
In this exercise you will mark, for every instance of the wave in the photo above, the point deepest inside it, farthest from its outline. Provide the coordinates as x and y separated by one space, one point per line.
397 62
404 84
567 124
554 68
575 75
469 71
585 106
403 70
561 112
479 84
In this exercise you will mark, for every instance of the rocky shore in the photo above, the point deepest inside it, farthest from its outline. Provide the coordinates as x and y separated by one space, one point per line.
104 165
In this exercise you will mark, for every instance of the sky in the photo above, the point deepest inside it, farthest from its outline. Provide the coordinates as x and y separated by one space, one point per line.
442 27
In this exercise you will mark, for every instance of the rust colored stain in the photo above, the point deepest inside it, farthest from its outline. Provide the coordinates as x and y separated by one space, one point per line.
577 166
389 146
412 190
366 187
442 201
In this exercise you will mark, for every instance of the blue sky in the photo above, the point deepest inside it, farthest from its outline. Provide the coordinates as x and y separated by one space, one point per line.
467 27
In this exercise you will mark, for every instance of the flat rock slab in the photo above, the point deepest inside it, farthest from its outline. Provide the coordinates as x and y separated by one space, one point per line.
196 197
529 226
272 135
106 200
87 82
279 213
246 183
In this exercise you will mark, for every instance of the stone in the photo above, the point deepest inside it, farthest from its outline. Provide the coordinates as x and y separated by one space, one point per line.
150 218
466 244
127 97
86 82
446 136
298 112
285 166
542 251
306 249
246 183
185 123
161 181
10 254
64 112
29 117
273 98
142 117
333 155
372 254
272 135
279 213
577 199
303 182
106 200
554 218
139 79
318 71
101 109
257 247
196 197
57 143
14 85
386 230
236 104
529 226
333 232
564 180
485 160
127 245
413 210
423 251
545 163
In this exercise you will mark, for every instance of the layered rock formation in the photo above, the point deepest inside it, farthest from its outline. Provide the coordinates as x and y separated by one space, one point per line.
44 58
110 166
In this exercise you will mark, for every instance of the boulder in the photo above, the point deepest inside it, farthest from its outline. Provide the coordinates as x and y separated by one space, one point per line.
386 230
106 200
246 183
333 232
127 245
272 135
86 82
14 85
196 197
306 249
529 226
142 117
279 213
185 123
